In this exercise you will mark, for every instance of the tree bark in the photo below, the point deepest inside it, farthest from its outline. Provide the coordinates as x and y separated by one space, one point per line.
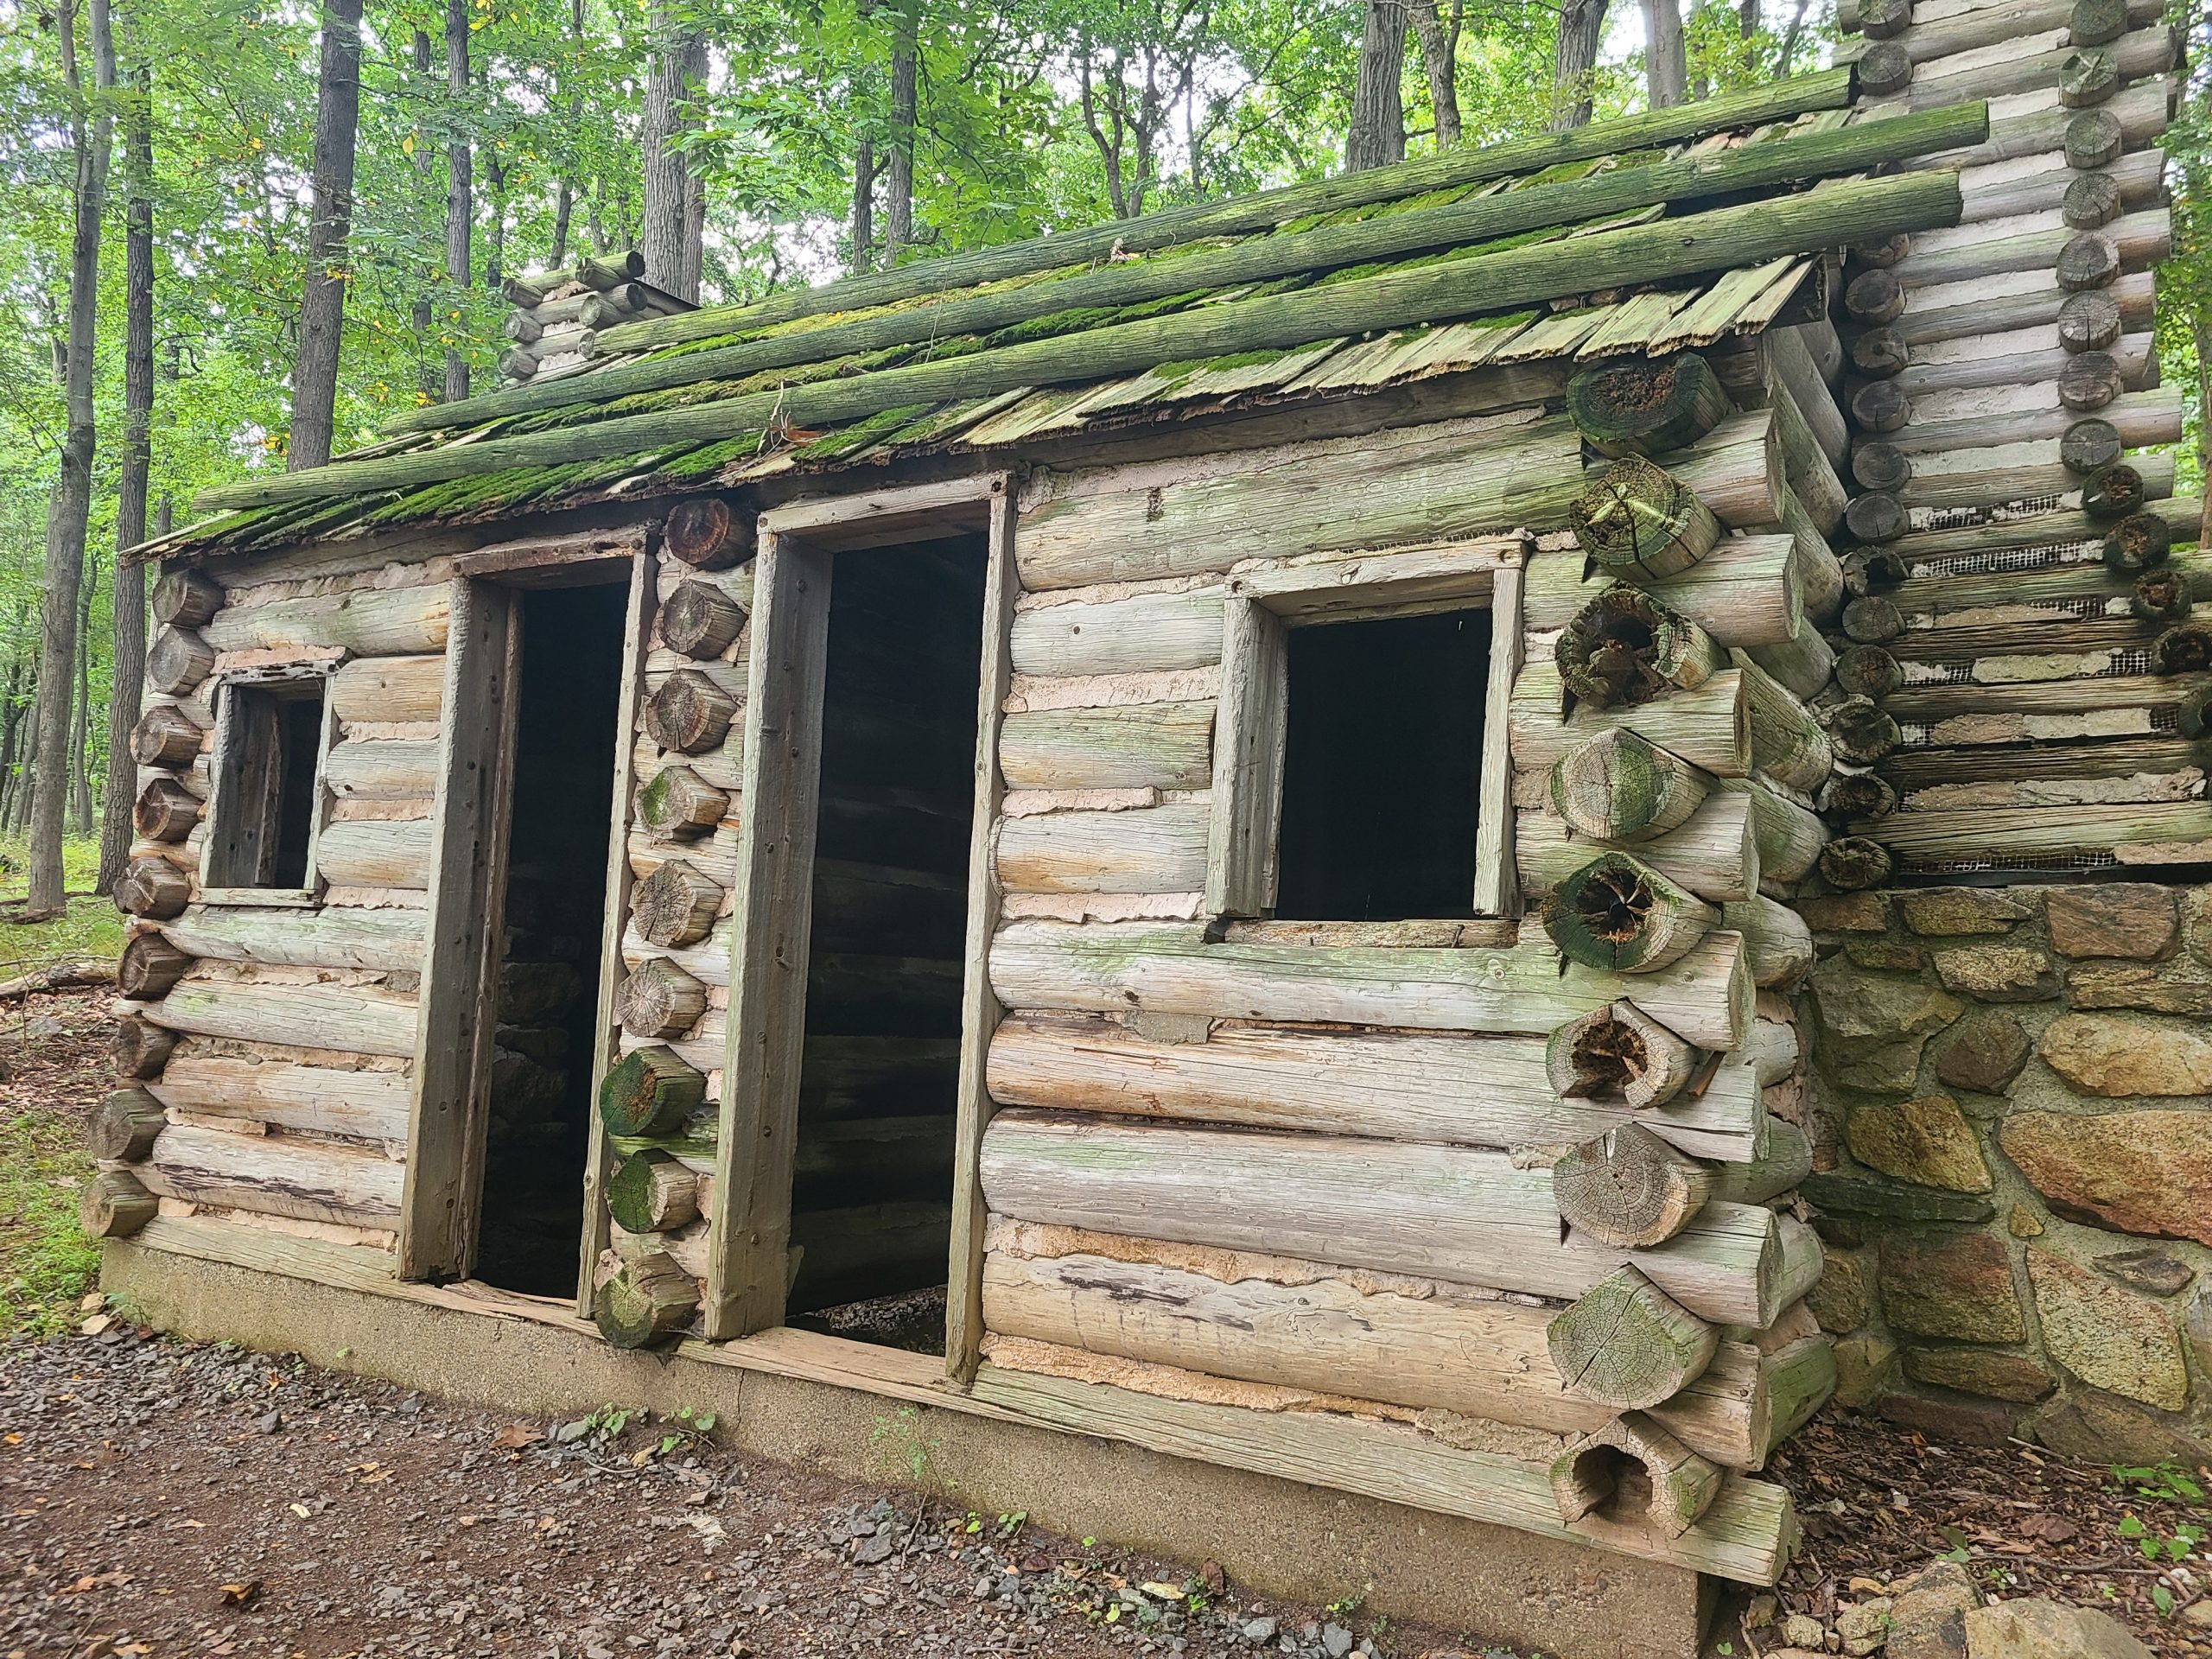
429 380
460 188
899 166
1439 48
91 128
1666 69
128 599
1574 56
676 73
1377 137
862 258
322 302
80 735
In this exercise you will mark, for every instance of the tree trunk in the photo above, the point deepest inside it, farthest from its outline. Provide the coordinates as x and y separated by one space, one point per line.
91 128
677 73
128 599
1378 120
863 254
80 735
1665 70
1439 46
460 188
322 303
899 168
1574 56
429 378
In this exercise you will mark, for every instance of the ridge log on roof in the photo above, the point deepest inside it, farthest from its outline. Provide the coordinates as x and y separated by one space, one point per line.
1454 225
1831 89
1832 214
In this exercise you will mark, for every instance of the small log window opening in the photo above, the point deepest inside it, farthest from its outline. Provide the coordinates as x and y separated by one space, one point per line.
267 798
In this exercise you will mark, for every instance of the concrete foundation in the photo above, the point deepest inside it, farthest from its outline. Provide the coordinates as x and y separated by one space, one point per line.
1285 1538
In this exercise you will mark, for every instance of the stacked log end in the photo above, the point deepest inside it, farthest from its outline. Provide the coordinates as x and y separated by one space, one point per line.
558 315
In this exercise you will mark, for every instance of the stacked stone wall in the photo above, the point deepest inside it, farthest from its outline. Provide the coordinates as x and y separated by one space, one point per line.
2012 1111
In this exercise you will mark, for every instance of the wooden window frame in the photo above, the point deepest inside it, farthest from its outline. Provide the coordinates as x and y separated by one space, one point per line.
220 804
1264 602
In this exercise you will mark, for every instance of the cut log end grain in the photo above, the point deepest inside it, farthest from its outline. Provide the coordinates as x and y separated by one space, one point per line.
1858 795
2090 320
676 906
2094 23
2114 494
1625 648
124 1126
1619 1055
2196 712
153 888
652 1191
1873 570
2091 202
1884 68
116 1204
2137 543
688 713
1877 515
1638 517
178 661
2094 139
2090 445
164 737
1616 913
1871 620
1850 863
2160 596
1874 296
2183 649
140 1048
2088 381
1868 671
700 620
1879 466
1885 19
165 811
649 1091
650 1300
1880 353
680 805
1642 407
1632 1470
1619 787
659 999
709 533
185 599
2088 77
1858 731
1626 1343
1629 1189
149 968
1885 251
1879 406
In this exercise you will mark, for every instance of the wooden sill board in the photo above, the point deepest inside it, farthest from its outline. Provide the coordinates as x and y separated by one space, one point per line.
1749 1535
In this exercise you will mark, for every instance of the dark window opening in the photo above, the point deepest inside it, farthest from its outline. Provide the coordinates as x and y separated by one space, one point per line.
871 1202
1381 764
540 1104
272 740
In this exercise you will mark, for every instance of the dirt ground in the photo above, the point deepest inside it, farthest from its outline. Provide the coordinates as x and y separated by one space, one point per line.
159 1499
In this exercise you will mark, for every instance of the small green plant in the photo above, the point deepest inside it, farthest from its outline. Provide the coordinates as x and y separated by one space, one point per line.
2163 1600
1345 1606
685 1429
601 1427
1012 1522
2155 1548
2163 1482
905 1450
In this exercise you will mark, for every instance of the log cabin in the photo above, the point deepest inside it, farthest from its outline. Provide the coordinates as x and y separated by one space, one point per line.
1200 854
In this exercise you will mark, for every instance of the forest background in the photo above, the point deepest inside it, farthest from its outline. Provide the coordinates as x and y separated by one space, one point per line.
238 234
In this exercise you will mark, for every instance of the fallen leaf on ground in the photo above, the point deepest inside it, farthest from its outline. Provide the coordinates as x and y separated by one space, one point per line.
515 1436
242 1595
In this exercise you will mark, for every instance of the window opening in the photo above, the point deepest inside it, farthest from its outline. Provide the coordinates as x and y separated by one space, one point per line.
268 786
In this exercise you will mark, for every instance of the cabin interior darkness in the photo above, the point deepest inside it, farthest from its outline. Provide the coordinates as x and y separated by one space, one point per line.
267 786
1381 764
540 1104
873 1178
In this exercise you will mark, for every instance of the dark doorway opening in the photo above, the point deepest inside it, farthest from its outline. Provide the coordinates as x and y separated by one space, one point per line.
556 901
871 1202
1381 764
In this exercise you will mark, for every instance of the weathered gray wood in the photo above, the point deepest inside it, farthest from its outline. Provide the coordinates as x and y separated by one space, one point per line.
1713 853
1251 729
331 936
1160 745
649 1300
141 1048
368 621
1144 849
394 688
1704 996
1137 633
125 1125
376 853
286 1095
1619 1055
466 879
383 769
361 1019
1709 727
116 1204
1629 1188
676 906
1675 1486
275 1175
1615 913
1497 892
1747 591
1627 1344
1486 1090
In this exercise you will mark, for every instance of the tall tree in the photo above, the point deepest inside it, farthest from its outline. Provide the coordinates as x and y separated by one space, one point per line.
1574 58
675 77
1439 60
322 303
1377 135
429 378
460 187
91 131
899 166
1666 67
